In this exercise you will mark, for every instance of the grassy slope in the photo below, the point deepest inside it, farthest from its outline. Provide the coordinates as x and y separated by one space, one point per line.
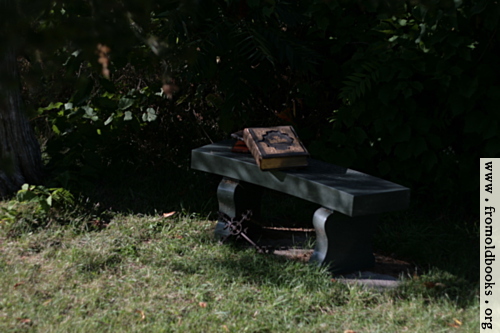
148 273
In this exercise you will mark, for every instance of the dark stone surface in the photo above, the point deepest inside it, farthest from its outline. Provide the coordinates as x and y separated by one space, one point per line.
235 198
344 190
350 200
344 243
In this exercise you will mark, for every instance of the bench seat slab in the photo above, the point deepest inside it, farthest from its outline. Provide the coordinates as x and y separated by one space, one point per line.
337 188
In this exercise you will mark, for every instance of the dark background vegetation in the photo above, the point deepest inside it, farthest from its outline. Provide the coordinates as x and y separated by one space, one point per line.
120 92
406 91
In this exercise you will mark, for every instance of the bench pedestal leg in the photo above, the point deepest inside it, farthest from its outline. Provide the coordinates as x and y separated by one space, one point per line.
343 243
235 198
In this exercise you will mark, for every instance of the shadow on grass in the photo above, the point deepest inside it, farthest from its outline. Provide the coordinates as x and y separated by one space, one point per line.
448 241
442 245
247 267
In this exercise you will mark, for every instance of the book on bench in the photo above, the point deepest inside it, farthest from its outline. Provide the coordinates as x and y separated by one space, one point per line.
275 147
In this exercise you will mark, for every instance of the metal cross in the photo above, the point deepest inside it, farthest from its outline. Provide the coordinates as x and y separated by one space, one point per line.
237 230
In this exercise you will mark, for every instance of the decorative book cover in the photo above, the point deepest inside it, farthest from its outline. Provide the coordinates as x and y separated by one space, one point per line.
275 147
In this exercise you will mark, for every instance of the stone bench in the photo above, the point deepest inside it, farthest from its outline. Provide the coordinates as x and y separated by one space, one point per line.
350 200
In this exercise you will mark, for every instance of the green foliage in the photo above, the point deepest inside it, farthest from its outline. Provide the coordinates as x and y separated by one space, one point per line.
194 78
34 207
417 100
86 138
359 83
45 198
403 90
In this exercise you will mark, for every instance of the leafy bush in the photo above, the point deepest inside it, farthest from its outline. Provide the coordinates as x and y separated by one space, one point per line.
34 207
418 100
45 198
402 90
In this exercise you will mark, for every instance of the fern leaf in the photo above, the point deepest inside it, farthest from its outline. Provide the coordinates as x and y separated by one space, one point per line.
359 82
362 88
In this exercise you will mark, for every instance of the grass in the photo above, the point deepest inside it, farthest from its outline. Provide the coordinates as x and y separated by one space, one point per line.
151 273
449 242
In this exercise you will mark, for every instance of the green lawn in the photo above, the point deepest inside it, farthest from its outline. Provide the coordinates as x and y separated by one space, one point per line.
150 273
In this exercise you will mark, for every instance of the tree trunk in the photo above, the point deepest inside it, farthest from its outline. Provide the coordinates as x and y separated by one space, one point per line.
20 157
